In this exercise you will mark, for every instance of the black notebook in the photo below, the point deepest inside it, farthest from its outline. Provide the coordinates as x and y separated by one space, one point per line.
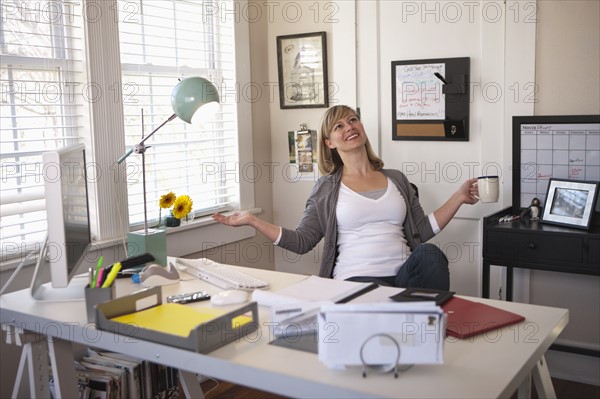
423 294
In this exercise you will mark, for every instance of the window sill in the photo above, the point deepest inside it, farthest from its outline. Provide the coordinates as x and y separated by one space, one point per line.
204 233
201 234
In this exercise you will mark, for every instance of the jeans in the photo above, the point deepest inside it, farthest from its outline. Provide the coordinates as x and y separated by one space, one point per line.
426 267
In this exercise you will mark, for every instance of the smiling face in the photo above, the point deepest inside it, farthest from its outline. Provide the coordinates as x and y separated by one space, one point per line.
342 131
347 134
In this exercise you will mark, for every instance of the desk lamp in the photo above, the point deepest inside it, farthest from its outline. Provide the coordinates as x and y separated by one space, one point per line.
193 99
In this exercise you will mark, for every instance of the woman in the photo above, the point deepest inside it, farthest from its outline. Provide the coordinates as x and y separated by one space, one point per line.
370 218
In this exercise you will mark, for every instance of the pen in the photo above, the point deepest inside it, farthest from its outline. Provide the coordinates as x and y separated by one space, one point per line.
98 266
112 275
91 277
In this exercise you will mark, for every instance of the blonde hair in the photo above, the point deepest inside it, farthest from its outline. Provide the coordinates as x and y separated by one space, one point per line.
329 159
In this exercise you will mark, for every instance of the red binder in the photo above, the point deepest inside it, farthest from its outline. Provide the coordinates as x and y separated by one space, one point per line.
468 318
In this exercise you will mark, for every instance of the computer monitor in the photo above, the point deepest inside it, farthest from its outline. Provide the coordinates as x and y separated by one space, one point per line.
69 236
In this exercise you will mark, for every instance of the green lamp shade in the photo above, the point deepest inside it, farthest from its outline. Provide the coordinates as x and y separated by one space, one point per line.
194 98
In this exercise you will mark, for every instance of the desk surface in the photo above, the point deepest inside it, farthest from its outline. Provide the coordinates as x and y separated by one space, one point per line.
490 365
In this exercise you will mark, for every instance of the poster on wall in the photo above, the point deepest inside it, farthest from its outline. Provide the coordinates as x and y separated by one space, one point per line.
303 152
302 71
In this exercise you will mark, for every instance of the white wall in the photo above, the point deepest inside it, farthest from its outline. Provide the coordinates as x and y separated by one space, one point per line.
363 37
489 34
568 81
290 194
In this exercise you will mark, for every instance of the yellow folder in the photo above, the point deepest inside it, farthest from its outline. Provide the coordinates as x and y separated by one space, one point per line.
175 318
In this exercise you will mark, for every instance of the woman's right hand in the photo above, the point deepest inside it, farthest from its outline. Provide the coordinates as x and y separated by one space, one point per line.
245 218
235 219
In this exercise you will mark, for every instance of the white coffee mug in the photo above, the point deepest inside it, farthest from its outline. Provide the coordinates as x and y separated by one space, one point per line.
489 189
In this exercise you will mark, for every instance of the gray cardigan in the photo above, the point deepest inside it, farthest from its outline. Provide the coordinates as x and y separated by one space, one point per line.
319 219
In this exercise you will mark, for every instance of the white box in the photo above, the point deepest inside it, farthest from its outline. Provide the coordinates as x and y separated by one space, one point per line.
386 333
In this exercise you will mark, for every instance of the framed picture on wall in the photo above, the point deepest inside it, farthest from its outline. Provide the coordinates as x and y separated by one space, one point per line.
302 70
570 203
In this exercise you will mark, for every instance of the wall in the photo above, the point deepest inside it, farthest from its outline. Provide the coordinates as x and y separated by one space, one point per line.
492 34
568 80
289 193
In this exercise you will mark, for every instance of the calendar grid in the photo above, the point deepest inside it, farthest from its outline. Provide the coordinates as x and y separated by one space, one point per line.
557 150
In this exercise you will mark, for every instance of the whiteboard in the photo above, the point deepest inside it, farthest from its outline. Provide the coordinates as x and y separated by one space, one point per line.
419 92
554 147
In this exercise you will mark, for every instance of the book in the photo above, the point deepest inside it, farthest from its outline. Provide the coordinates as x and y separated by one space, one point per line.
468 318
118 377
132 370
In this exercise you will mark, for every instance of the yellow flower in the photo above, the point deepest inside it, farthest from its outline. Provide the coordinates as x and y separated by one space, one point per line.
167 200
182 206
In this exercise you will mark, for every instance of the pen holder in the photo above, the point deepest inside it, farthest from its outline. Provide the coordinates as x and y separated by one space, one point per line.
95 296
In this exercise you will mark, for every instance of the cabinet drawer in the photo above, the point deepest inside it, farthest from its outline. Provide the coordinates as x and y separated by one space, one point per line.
594 252
532 248
499 244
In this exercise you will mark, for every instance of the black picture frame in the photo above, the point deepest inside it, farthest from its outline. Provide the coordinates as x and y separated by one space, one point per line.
530 177
302 70
570 203
431 99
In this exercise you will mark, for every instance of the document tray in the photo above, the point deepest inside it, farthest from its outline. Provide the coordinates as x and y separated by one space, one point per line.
213 329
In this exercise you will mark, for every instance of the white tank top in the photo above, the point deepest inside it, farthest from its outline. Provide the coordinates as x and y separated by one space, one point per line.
370 234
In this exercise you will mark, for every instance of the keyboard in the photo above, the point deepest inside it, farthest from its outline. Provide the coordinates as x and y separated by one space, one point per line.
222 276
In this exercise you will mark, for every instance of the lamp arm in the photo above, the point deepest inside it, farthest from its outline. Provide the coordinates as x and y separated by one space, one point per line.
161 125
141 143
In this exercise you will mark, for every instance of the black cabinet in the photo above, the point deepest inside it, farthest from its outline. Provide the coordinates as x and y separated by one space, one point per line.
535 245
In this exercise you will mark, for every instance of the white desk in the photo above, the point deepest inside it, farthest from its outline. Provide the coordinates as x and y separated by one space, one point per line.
492 365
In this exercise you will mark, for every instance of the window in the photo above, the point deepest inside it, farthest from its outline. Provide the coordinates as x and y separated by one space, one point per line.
49 99
41 108
162 41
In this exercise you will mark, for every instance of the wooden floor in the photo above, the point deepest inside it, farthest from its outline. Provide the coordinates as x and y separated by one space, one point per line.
564 390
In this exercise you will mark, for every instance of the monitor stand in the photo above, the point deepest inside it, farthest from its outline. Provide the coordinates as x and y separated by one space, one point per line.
45 292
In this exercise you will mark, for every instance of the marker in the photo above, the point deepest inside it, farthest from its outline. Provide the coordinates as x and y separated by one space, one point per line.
99 277
440 77
98 266
112 275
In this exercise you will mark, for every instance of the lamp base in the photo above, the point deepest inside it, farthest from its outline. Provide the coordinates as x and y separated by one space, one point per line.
155 243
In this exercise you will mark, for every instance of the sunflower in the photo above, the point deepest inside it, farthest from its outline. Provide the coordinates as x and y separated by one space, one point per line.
167 200
182 206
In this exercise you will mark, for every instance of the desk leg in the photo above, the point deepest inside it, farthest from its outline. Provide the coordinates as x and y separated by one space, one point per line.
509 283
33 367
63 368
485 279
542 380
524 391
191 386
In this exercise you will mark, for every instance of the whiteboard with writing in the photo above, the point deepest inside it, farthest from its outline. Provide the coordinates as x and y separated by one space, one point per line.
561 150
419 92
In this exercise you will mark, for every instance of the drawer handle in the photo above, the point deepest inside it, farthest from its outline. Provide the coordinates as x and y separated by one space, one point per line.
531 245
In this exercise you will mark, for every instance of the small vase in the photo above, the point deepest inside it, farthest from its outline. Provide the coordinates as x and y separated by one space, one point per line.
172 221
188 218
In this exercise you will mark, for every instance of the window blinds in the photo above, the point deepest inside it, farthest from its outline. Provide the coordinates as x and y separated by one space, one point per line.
43 96
161 42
